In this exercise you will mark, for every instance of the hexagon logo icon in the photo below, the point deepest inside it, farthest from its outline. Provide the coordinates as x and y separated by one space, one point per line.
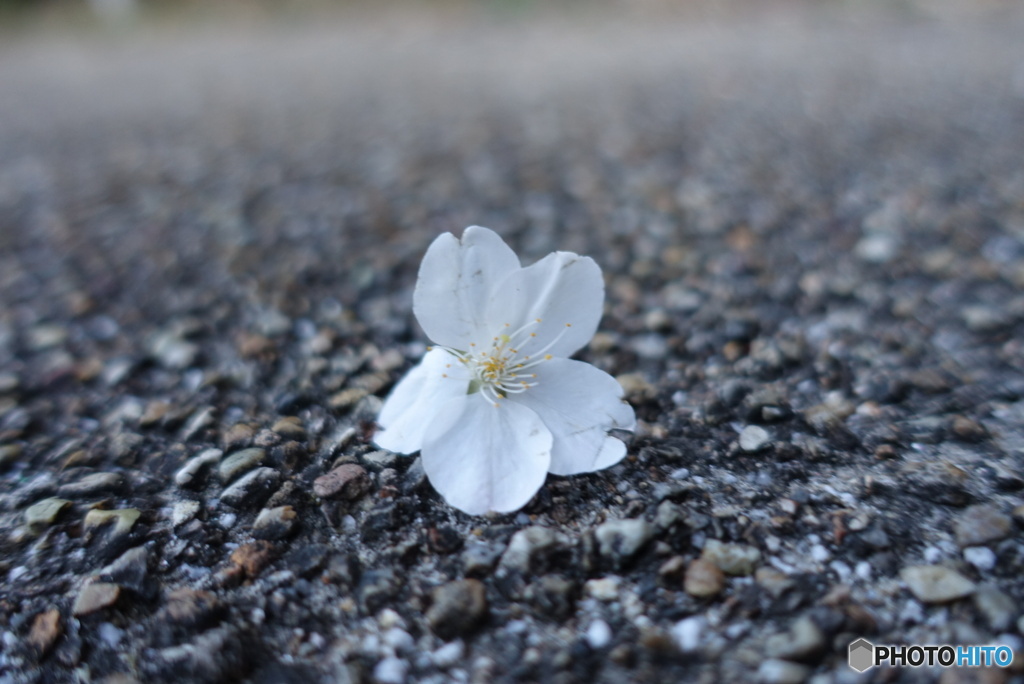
862 655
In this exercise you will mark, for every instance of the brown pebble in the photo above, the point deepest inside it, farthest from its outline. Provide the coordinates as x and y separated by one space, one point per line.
46 629
968 430
347 481
253 557
94 597
886 451
457 608
346 398
191 607
238 435
703 579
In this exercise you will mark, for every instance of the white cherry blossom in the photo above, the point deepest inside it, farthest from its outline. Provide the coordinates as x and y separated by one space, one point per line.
496 403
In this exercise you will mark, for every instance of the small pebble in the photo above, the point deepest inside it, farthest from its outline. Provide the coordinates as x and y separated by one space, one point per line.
979 525
603 589
598 634
687 634
94 597
754 438
348 481
782 672
457 608
732 559
391 671
449 655
189 475
620 540
980 557
936 583
703 579
240 462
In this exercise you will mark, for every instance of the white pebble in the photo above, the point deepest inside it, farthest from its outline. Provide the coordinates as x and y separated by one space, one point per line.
110 634
599 634
687 633
450 654
819 553
980 557
399 640
391 671
603 589
863 570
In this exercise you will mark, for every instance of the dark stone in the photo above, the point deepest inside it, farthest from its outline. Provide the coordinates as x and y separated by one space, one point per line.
457 608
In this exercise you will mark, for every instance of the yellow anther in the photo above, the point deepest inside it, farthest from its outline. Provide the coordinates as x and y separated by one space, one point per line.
568 325
537 319
533 334
548 357
444 375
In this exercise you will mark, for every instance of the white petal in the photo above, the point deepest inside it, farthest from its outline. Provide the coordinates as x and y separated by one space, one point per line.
579 403
565 291
482 457
455 283
413 404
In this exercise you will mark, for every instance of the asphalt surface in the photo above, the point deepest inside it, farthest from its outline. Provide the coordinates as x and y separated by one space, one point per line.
811 223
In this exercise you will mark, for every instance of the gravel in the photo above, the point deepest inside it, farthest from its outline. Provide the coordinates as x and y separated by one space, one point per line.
810 224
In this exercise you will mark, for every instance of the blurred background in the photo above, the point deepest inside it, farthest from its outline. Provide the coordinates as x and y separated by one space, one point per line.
210 162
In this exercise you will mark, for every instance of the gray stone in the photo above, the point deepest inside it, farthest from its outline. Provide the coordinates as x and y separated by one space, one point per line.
479 558
252 489
240 462
94 597
733 559
802 641
998 608
197 422
379 460
172 352
773 581
754 438
129 570
93 484
936 583
190 474
981 524
528 546
457 608
620 540
275 523
982 318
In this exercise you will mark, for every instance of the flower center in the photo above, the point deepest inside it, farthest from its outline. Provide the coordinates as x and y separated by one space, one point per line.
503 368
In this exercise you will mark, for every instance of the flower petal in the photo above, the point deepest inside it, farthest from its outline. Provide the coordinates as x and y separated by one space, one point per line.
412 405
565 291
482 457
579 404
455 283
